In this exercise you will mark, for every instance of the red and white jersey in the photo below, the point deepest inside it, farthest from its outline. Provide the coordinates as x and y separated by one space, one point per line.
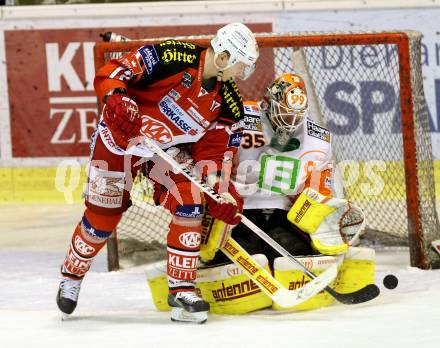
165 80
269 175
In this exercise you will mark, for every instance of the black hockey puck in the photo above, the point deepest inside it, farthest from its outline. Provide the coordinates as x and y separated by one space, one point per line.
390 281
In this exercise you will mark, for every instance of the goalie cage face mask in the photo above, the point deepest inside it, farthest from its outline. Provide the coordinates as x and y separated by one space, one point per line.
286 103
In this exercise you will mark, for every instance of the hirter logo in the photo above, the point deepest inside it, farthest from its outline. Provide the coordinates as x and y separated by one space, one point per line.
156 130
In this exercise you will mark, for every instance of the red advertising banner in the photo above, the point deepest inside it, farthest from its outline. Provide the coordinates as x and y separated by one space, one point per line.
50 75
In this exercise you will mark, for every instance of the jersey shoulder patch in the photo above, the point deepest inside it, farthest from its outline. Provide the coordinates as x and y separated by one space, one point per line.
252 116
162 60
252 108
316 131
149 58
232 103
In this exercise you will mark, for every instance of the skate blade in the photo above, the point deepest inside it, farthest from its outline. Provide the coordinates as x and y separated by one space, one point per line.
64 316
181 315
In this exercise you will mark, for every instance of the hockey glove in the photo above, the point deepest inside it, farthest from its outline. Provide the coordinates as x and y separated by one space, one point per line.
229 211
121 114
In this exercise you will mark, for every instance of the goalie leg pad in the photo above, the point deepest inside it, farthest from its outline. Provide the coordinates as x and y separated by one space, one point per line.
356 271
157 282
292 277
229 291
226 288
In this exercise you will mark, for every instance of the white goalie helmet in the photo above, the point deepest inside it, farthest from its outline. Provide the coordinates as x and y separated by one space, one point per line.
240 42
286 103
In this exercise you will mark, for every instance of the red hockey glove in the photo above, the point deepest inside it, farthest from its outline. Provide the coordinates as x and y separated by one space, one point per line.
228 211
121 114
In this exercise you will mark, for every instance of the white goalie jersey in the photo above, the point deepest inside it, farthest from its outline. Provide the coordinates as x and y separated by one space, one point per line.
269 175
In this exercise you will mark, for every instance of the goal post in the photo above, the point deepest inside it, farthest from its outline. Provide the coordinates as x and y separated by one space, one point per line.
368 88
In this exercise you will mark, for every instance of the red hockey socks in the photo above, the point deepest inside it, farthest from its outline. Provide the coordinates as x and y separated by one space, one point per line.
183 251
86 242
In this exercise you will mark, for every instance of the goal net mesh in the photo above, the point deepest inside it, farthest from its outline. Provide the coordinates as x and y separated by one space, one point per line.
356 91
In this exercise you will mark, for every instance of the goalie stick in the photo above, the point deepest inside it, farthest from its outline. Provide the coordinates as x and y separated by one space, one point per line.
269 285
365 294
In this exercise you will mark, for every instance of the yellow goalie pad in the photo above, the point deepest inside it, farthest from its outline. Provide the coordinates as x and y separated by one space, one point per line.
355 271
292 278
214 233
227 289
157 282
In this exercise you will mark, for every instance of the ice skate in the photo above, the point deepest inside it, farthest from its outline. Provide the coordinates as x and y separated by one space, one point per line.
188 307
67 296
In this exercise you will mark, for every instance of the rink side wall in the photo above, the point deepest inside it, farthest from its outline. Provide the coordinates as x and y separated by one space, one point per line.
48 114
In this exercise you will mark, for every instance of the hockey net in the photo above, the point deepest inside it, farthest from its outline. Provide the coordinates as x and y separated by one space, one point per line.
367 89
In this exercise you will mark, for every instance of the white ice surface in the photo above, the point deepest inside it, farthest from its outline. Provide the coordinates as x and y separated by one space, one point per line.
116 310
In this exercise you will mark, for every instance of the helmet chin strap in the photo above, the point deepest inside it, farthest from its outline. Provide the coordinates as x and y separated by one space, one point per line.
219 68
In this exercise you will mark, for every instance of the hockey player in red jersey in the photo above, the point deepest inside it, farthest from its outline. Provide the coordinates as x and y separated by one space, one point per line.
184 97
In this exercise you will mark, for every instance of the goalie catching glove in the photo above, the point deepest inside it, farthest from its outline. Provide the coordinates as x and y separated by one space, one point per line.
333 224
121 114
230 209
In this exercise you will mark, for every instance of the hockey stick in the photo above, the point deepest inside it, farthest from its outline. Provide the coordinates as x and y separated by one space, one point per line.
269 285
265 281
367 293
